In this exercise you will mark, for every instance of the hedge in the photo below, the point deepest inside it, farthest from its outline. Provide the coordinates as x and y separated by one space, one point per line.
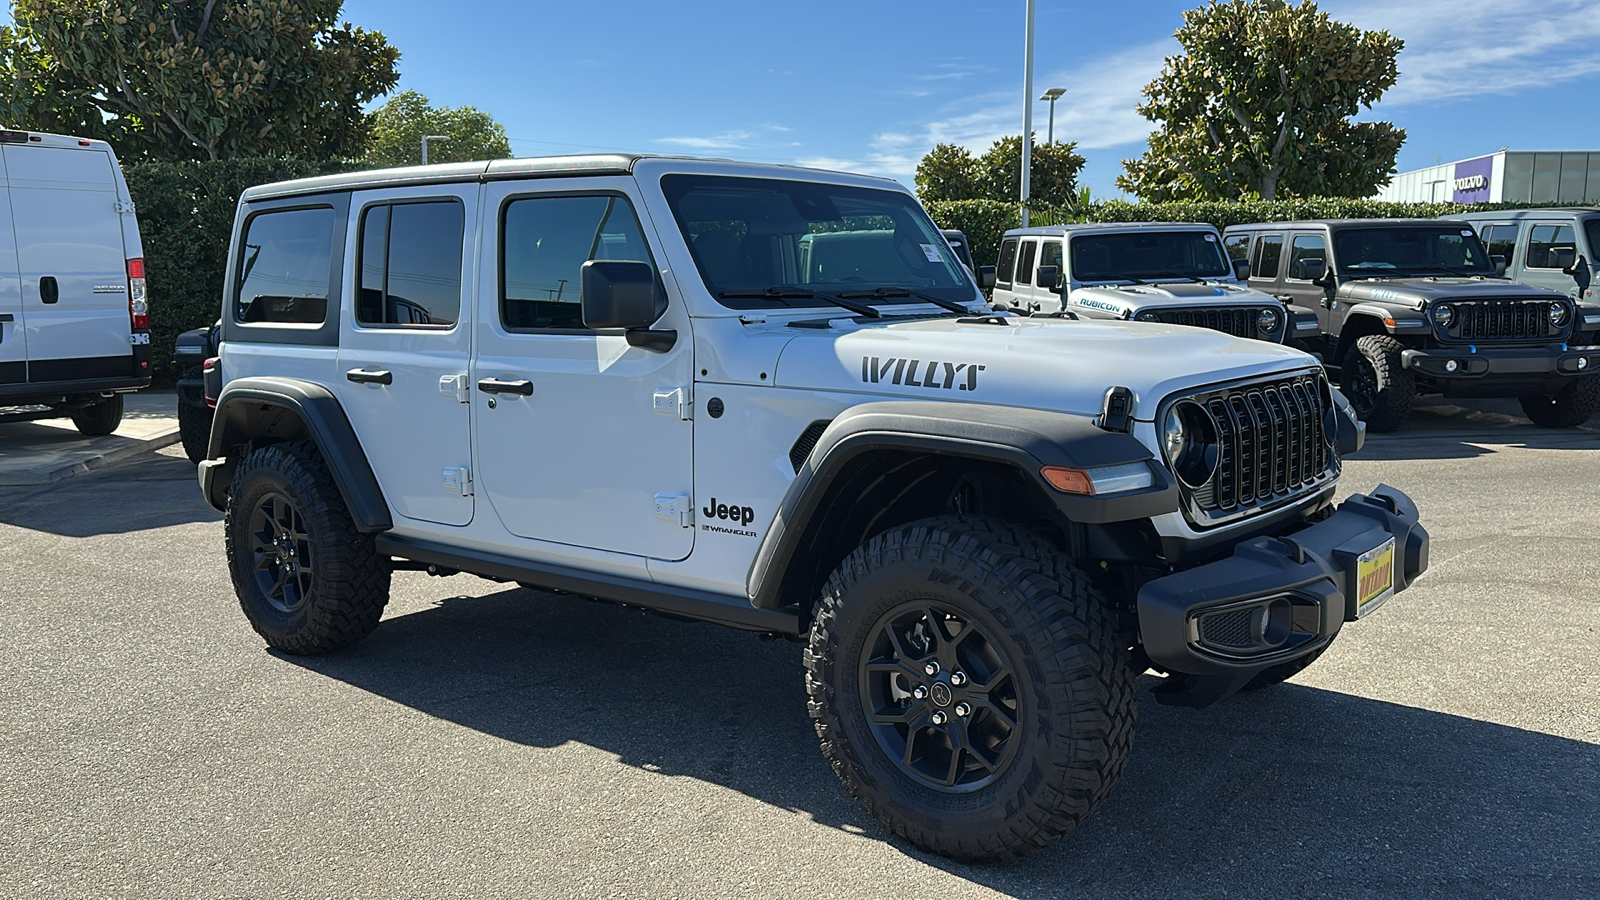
185 212
984 221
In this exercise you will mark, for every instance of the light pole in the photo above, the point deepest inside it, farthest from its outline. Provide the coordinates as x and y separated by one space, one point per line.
1051 95
1027 109
426 139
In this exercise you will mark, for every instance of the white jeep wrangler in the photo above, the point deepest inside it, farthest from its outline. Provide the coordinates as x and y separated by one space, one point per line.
1173 272
664 382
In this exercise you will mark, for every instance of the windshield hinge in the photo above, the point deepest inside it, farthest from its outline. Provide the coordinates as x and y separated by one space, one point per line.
752 320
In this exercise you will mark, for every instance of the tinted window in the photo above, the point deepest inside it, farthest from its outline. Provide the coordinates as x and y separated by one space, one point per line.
1304 247
1545 243
1238 246
1147 254
1500 240
1008 261
543 245
1269 251
1591 228
1025 264
284 267
1446 248
1050 255
411 264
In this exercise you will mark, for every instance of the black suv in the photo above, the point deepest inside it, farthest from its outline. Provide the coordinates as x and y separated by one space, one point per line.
1412 306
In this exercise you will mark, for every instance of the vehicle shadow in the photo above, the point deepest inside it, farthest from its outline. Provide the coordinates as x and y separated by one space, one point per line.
1439 429
115 500
1291 791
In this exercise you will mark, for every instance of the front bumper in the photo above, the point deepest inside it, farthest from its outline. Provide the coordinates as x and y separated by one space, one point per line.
1474 362
1275 599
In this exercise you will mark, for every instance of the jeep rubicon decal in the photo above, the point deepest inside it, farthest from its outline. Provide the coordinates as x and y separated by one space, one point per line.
874 370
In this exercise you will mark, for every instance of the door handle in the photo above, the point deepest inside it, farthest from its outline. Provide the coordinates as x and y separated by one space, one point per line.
495 386
370 376
49 291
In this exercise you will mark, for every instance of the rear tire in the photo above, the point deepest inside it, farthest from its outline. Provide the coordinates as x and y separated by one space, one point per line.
1570 407
307 580
100 418
1045 682
1378 387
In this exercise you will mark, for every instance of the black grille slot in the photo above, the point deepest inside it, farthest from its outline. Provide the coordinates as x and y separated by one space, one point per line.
1501 320
1227 629
1272 445
805 442
1237 322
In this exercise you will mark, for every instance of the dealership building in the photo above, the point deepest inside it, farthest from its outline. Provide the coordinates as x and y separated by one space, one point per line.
1508 176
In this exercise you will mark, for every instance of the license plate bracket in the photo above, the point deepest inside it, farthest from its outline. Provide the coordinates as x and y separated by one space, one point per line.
1371 580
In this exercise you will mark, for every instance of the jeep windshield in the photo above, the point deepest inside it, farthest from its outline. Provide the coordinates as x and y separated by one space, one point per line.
760 243
1142 256
1444 249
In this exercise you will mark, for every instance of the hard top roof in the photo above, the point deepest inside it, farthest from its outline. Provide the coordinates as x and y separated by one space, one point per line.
1335 224
1541 212
1062 230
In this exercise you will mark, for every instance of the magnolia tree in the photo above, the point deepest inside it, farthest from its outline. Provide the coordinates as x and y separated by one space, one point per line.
1259 105
399 126
951 172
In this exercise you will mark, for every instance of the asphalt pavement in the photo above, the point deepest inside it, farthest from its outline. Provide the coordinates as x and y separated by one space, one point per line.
493 741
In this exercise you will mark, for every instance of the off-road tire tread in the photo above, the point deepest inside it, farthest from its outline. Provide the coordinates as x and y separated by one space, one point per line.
1070 625
99 419
194 431
1575 404
1280 673
352 579
1397 388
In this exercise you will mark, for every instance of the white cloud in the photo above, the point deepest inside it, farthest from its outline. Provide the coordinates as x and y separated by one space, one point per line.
728 140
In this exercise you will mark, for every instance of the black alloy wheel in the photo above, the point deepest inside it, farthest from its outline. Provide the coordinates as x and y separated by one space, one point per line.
281 549
940 696
1361 386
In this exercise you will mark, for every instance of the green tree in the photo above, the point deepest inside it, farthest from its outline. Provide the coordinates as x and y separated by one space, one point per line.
196 80
1259 105
399 125
949 172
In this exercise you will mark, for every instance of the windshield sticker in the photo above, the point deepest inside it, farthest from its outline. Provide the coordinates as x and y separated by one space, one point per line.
1211 238
936 374
932 253
1466 232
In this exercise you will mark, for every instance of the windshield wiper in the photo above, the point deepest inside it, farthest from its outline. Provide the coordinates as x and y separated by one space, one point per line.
1176 275
784 293
882 292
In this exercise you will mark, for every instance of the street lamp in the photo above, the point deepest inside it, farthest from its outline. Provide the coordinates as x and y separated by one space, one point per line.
426 139
1051 95
1027 106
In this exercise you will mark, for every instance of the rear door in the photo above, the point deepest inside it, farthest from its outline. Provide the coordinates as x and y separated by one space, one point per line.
74 278
13 333
403 344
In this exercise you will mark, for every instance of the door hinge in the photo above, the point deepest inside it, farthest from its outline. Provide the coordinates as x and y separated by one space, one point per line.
124 207
675 508
458 480
673 402
455 386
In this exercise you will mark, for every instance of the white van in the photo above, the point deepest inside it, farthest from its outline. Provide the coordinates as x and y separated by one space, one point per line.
74 319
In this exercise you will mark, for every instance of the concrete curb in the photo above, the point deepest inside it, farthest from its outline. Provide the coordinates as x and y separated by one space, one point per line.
84 466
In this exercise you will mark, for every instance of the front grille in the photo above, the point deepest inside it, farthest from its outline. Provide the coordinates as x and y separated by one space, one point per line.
1272 446
1501 320
1237 322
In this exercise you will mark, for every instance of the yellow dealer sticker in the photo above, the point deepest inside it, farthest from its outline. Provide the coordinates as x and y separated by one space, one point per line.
1374 577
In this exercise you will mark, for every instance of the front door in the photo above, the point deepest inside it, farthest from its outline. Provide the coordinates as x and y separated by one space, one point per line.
1299 290
581 438
404 338
1550 245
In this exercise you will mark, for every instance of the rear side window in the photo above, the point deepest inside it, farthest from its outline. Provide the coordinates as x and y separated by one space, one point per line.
1238 246
1008 262
285 267
1550 247
411 264
1269 253
1500 239
544 242
1025 264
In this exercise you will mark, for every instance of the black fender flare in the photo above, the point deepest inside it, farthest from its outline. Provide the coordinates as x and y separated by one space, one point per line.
313 412
1027 439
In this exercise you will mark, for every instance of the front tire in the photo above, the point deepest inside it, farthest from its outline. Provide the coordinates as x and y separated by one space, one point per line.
307 580
969 688
1573 405
100 418
1379 388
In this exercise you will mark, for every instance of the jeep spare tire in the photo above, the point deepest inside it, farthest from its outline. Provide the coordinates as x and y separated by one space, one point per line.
969 688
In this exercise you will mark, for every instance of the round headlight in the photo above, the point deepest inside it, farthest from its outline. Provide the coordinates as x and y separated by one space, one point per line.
1149 317
1269 320
1189 440
1558 314
1444 315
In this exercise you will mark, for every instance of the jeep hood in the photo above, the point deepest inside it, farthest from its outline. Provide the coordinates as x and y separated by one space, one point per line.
1130 299
1418 292
1039 363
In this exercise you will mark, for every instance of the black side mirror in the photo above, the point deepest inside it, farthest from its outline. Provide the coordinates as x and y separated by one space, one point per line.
623 294
1499 263
1049 277
1241 269
1563 258
1313 269
1579 270
986 277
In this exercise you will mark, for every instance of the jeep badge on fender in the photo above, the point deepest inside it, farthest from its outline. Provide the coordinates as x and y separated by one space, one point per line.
979 568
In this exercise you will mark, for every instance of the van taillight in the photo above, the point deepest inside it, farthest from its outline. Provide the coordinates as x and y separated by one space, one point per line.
138 306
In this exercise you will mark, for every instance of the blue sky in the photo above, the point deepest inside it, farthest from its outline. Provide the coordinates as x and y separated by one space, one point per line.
871 85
